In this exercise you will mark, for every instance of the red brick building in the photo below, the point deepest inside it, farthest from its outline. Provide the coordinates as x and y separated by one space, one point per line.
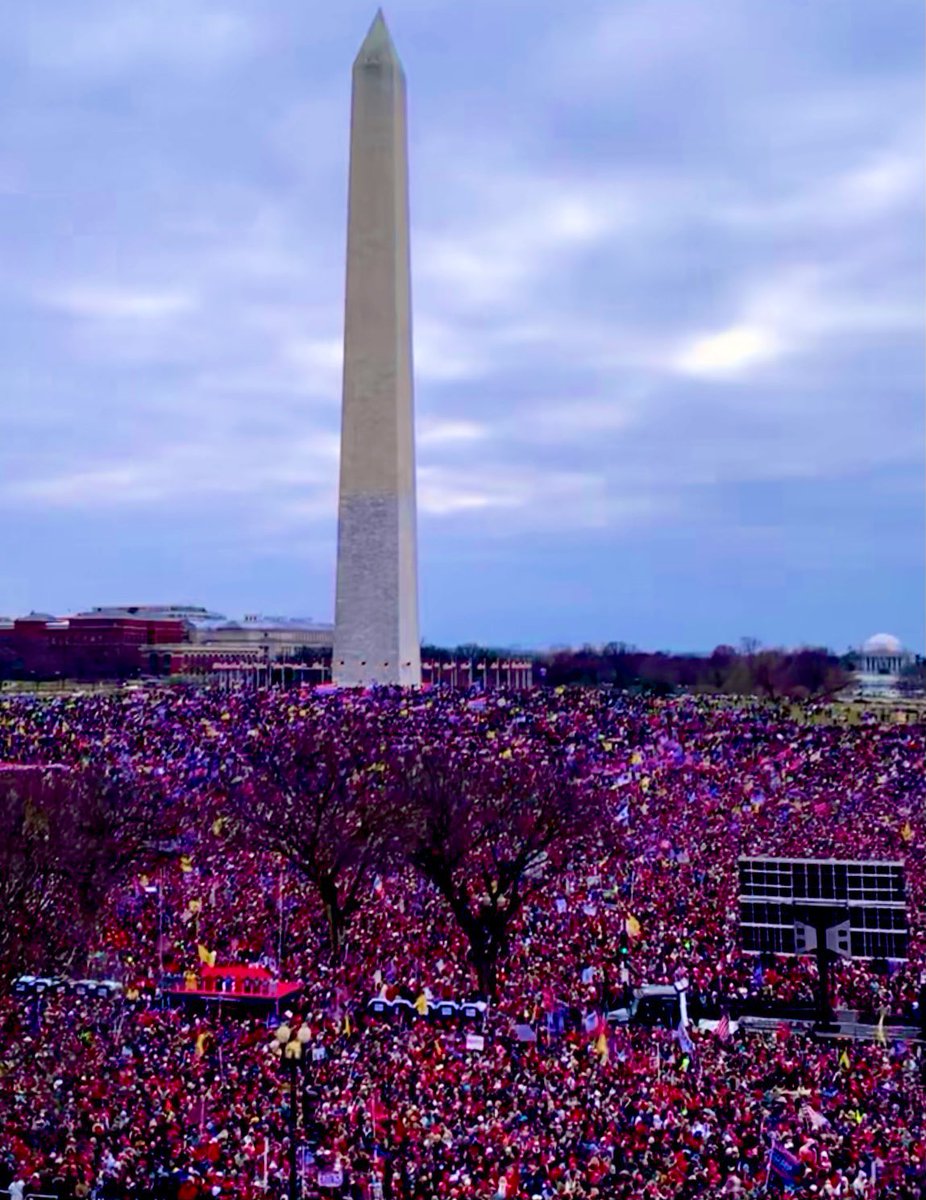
86 646
117 647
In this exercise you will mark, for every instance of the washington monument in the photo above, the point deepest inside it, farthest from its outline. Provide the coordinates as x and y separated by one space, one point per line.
376 608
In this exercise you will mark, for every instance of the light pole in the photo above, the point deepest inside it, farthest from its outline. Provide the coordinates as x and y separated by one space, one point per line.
288 1046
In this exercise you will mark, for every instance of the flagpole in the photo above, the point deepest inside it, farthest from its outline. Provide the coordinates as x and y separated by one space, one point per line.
160 925
373 1122
280 954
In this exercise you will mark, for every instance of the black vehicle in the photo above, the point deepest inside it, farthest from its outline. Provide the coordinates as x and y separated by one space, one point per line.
653 1005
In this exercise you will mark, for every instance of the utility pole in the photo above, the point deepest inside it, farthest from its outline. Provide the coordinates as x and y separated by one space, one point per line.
293 1068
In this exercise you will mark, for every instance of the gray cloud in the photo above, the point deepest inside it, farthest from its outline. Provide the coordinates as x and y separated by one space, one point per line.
667 259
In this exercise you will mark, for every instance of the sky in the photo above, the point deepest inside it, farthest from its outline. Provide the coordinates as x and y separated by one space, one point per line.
668 264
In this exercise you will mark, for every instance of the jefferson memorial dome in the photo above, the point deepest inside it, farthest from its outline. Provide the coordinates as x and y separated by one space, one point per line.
882 643
879 663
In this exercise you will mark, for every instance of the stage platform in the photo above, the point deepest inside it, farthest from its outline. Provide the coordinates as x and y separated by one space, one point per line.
230 984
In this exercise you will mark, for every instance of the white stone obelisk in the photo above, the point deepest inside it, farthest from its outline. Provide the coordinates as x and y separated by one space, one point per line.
376 608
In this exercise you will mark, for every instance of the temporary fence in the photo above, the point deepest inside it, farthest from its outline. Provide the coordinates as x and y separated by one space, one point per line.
30 1195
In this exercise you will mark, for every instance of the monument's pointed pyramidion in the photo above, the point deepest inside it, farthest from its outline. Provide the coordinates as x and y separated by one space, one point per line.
377 46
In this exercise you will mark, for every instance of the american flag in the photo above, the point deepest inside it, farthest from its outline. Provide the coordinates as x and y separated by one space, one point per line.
723 1028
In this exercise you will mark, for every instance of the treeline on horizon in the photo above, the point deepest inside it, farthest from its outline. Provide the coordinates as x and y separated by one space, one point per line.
750 670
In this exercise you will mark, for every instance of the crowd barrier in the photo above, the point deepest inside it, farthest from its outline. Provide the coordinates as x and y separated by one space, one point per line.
30 1195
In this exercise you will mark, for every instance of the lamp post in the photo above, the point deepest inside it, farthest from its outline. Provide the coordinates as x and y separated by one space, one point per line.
288 1045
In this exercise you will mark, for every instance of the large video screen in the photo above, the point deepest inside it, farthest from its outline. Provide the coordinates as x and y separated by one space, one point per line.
872 895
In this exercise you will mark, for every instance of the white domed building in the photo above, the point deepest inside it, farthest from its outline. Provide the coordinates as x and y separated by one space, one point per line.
879 662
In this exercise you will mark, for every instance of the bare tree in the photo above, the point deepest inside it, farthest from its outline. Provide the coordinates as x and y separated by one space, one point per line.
65 837
32 886
484 829
318 797
122 823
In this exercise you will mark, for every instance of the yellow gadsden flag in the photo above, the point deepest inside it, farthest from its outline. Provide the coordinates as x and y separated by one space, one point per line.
632 925
207 957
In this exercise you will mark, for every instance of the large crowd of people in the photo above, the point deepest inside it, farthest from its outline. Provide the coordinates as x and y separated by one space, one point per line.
536 1095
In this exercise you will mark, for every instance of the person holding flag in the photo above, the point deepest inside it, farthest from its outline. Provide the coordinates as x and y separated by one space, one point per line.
783 1164
602 1043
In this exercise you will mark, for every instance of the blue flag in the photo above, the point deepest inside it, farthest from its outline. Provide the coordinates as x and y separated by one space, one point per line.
785 1165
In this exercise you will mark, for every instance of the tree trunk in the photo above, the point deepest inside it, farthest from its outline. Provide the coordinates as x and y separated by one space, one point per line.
487 934
335 916
335 931
486 975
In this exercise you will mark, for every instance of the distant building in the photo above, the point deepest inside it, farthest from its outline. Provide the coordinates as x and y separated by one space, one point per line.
283 633
177 641
252 649
125 641
879 664
192 613
101 644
